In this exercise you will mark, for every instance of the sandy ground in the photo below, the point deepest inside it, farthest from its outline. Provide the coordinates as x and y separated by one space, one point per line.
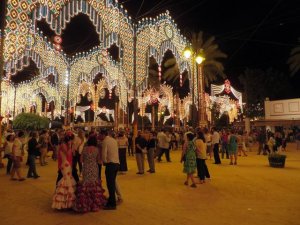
250 193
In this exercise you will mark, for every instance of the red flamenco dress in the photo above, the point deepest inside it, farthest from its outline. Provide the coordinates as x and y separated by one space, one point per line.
89 193
64 196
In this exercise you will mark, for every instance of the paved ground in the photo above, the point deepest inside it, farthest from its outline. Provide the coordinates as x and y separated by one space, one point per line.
250 193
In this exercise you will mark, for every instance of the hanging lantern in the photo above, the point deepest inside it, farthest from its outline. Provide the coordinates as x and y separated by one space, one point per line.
57 47
57 40
110 94
180 80
159 72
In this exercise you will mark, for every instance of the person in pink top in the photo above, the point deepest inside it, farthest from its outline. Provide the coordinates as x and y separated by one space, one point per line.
65 147
64 196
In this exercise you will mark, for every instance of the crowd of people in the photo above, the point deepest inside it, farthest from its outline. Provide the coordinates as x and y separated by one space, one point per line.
80 156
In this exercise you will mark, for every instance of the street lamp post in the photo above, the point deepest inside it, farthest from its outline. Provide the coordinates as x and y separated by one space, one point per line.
187 54
198 58
67 83
201 101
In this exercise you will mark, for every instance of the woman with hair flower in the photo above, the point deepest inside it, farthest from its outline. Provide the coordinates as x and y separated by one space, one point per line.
190 164
64 196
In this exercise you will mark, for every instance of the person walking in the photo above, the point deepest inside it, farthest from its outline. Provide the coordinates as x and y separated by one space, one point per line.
208 138
77 147
151 145
201 157
123 144
17 156
55 143
232 147
271 143
130 145
7 148
100 138
89 193
261 141
215 140
33 152
43 143
164 144
140 150
189 160
224 143
241 144
110 158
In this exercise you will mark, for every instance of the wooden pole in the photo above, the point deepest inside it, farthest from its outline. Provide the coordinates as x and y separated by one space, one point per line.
2 38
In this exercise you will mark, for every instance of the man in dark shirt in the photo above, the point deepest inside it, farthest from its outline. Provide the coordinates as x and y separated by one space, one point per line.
32 153
55 143
151 145
140 148
130 146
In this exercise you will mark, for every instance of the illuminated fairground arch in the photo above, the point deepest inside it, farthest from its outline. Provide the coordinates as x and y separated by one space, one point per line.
88 66
158 56
12 67
106 15
114 26
229 100
164 98
184 108
21 98
22 93
154 38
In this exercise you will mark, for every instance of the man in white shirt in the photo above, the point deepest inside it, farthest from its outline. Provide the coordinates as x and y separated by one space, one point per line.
215 143
164 145
110 157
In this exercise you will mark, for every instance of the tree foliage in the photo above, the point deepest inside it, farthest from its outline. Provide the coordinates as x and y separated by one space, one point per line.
171 74
259 85
212 67
30 121
153 74
294 60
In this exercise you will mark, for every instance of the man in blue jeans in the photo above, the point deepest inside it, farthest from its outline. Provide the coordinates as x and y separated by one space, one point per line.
110 158
33 151
215 143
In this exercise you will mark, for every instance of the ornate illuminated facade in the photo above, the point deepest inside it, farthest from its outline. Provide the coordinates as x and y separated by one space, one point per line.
23 41
228 99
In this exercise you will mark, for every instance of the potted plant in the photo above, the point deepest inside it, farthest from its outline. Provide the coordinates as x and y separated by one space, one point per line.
277 160
30 121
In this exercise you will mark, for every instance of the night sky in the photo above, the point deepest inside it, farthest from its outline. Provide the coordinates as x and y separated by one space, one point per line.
254 34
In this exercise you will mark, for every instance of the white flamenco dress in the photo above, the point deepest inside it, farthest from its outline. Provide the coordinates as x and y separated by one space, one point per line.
64 196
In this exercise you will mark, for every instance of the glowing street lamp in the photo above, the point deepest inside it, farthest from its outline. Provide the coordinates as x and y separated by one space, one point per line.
187 52
198 57
67 83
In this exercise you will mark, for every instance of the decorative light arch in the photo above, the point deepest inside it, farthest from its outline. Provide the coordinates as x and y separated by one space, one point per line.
107 16
154 37
168 45
185 107
12 68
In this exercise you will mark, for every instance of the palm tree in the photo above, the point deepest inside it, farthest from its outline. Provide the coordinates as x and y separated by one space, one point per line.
212 68
153 74
294 60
